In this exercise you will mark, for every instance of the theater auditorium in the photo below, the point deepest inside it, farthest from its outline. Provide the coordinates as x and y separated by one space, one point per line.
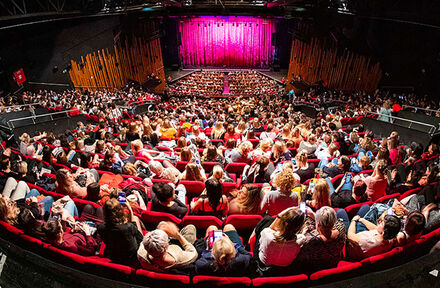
219 143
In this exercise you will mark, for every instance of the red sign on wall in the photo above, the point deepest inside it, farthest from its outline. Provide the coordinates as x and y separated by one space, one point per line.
19 76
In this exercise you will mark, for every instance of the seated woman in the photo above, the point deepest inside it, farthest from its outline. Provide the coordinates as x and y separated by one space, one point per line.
166 173
376 240
111 163
284 197
220 174
278 241
343 198
333 170
320 195
157 254
164 199
262 150
324 249
247 200
413 228
280 153
10 210
231 134
138 150
360 164
377 183
211 201
79 241
240 154
259 172
66 184
193 172
210 154
303 169
309 146
138 169
120 233
227 255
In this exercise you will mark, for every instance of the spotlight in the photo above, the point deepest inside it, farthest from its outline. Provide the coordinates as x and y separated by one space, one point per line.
55 69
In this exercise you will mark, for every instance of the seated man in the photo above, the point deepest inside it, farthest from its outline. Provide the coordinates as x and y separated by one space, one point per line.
156 253
164 199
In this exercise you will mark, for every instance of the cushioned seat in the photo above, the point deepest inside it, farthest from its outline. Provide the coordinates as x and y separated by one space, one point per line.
280 280
210 281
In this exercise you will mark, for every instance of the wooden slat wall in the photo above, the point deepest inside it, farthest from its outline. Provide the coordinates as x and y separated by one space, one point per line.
133 59
344 70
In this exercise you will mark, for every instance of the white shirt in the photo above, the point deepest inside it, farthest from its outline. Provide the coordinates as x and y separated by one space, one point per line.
278 253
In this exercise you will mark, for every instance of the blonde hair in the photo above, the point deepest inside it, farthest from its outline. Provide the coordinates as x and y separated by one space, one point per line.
321 195
25 138
265 144
129 169
223 251
217 172
22 167
8 210
137 145
245 147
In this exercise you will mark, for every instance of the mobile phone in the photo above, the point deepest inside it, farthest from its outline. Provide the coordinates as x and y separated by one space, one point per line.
121 198
348 178
294 162
312 186
213 236
302 207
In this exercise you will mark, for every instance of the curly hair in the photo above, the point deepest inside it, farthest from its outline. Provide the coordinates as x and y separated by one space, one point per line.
286 181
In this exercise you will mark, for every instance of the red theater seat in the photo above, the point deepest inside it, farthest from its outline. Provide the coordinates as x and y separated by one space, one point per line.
208 166
281 280
201 222
180 165
159 278
193 188
243 222
343 267
221 281
152 218
236 168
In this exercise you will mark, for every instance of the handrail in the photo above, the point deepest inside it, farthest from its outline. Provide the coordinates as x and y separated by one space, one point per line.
419 108
38 116
432 128
49 84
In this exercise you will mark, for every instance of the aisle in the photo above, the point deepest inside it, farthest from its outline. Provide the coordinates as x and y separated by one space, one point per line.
226 84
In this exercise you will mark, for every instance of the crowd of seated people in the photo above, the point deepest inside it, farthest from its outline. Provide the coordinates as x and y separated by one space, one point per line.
200 83
294 176
246 83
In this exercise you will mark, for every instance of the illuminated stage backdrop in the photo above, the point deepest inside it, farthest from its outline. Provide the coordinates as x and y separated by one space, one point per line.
226 41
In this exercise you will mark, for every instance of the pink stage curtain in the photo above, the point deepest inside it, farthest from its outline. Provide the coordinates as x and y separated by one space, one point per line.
226 41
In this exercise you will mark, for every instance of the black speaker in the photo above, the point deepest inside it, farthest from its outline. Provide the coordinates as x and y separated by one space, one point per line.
179 39
274 39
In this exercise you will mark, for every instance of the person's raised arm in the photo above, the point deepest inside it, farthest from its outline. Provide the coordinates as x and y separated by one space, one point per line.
368 224
351 234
